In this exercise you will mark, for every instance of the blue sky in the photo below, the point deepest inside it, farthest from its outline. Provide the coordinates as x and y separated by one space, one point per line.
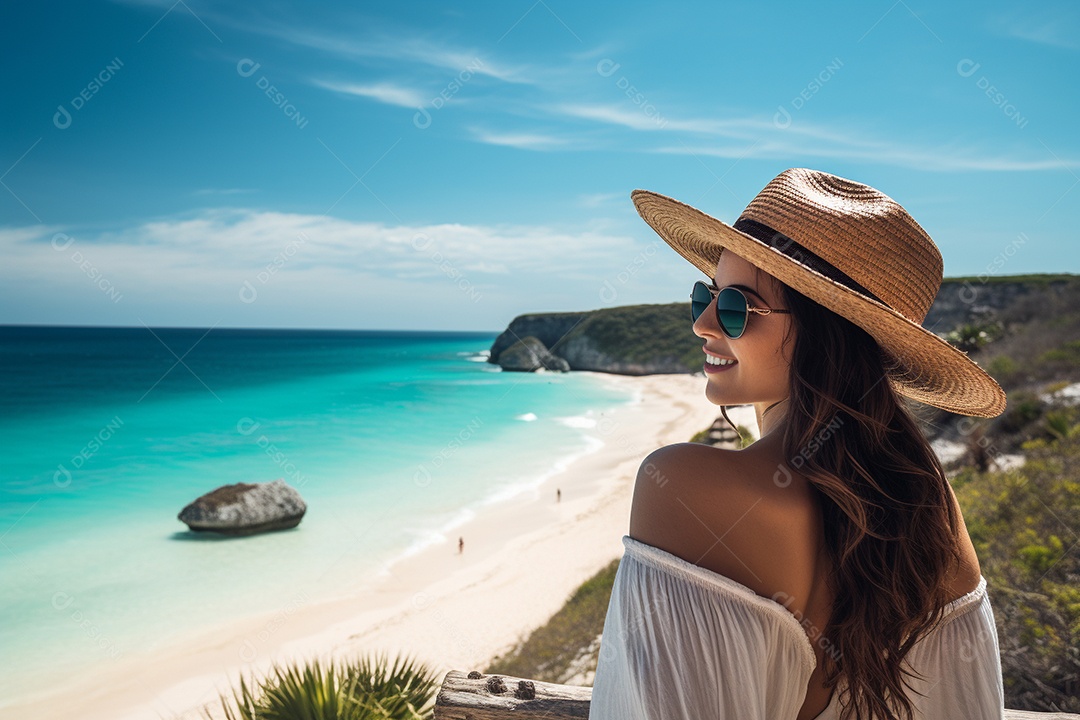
449 166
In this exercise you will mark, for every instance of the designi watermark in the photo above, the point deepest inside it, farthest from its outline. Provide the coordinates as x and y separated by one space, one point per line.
247 67
422 118
63 117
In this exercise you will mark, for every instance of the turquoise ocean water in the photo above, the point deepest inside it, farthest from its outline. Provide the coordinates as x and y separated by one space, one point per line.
392 438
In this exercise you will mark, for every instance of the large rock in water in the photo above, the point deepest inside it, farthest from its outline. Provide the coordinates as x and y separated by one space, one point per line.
528 355
246 508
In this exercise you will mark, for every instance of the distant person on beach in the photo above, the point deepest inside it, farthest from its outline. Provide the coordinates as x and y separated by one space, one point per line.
460 545
558 494
802 575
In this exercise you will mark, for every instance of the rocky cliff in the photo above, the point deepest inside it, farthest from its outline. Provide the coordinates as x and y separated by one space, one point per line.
648 339
629 340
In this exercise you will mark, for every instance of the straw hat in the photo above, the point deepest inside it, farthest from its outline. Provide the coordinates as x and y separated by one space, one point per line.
854 250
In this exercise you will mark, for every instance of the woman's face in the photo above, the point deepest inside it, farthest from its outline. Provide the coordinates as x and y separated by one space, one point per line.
760 375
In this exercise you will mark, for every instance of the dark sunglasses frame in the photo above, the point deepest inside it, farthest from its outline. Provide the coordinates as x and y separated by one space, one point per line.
737 304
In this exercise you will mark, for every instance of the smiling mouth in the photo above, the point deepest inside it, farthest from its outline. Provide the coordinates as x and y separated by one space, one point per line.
714 364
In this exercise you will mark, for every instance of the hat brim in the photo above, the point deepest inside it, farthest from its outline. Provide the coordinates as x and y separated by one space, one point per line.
924 367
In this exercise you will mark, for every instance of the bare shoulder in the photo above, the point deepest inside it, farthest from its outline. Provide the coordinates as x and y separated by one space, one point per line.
725 511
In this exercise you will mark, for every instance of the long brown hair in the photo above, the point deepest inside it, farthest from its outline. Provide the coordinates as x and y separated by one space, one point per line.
889 521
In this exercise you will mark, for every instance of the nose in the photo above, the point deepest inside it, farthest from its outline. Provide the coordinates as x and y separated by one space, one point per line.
706 326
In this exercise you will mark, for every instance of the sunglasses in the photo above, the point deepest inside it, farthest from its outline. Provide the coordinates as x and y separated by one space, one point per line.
732 308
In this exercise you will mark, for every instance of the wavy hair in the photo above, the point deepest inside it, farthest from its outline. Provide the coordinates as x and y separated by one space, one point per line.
890 525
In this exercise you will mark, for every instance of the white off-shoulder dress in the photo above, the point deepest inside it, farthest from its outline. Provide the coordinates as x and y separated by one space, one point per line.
681 642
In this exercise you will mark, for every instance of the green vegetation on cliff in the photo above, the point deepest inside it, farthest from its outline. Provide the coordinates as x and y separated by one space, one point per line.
637 333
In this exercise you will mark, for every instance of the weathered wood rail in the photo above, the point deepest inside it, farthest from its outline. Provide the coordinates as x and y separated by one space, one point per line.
475 696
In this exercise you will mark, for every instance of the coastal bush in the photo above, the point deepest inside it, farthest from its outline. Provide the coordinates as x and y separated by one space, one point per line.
366 689
972 336
1003 368
1022 409
1056 386
1040 340
1060 423
1067 354
1023 525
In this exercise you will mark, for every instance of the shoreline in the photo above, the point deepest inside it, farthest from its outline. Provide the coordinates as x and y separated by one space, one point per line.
522 559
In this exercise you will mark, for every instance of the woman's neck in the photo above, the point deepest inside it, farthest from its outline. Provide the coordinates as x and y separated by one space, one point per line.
770 417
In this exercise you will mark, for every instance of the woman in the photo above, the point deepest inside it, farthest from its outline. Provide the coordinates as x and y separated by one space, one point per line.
825 570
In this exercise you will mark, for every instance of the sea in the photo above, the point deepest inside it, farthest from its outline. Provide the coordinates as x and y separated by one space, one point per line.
393 439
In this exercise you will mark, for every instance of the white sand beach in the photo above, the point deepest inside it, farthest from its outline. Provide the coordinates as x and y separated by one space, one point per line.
521 561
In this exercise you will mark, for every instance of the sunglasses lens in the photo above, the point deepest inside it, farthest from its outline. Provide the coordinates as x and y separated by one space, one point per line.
699 299
731 311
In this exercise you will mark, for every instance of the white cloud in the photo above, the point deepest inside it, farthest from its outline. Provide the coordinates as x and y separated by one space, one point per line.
648 117
522 141
12 236
364 43
297 263
1049 33
751 137
224 191
383 92
945 160
1054 26
413 49
592 200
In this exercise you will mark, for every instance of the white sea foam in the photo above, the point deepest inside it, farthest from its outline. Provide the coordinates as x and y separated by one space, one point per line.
481 356
440 534
532 484
425 538
582 422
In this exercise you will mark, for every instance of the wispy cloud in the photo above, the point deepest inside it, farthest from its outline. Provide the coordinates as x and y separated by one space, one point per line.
408 46
409 49
230 240
945 160
224 191
306 270
756 137
593 200
1058 27
382 92
16 236
523 141
1049 33
649 118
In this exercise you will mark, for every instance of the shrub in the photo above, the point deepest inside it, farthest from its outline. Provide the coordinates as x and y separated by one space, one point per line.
1058 423
972 336
1022 524
362 690
1055 386
1068 354
1022 409
1002 368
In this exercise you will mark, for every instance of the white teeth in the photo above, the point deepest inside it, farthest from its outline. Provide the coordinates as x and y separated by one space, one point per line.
718 361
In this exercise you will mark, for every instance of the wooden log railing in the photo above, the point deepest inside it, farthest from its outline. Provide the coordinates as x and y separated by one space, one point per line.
475 696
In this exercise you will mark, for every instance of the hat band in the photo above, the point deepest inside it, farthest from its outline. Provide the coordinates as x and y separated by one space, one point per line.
789 247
